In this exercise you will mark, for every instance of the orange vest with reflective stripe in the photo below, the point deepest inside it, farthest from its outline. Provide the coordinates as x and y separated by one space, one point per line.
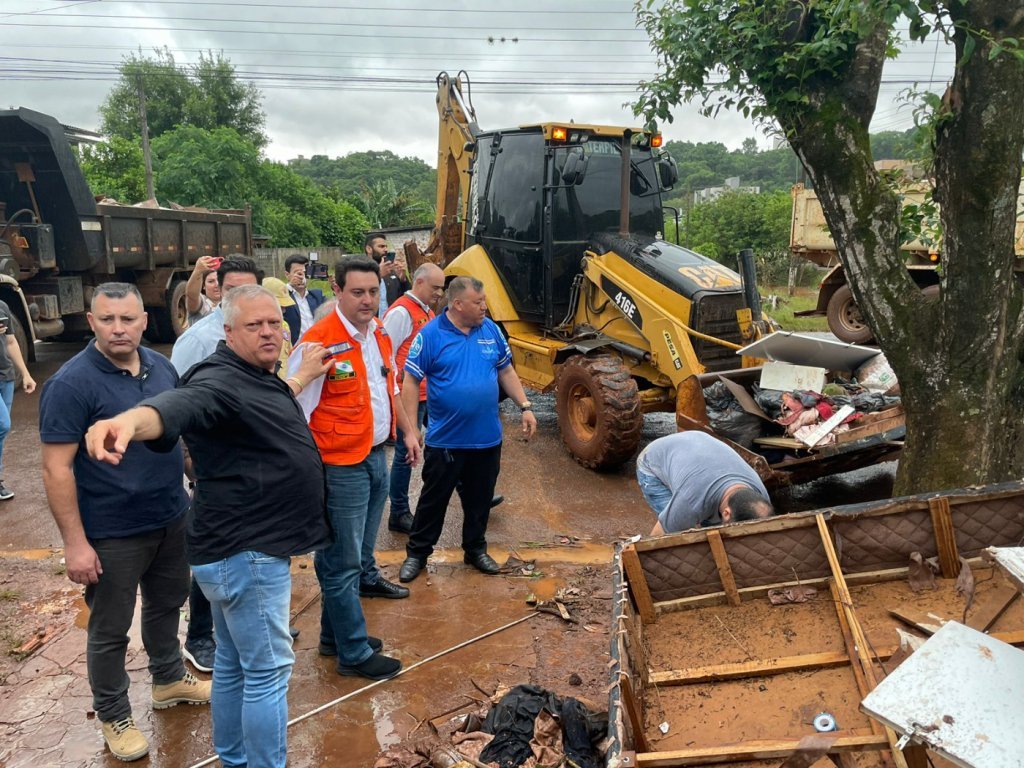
420 317
342 423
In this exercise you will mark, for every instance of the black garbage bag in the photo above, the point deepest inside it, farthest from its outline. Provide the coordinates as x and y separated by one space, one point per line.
511 723
728 418
577 735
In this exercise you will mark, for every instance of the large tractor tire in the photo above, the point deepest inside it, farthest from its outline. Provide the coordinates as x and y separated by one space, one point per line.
167 323
598 408
845 319
21 337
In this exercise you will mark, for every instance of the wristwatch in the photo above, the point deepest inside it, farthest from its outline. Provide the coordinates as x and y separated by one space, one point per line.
526 406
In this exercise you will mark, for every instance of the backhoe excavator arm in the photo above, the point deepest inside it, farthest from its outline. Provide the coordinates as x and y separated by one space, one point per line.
457 131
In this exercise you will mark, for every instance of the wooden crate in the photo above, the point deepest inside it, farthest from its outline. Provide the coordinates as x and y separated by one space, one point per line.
697 643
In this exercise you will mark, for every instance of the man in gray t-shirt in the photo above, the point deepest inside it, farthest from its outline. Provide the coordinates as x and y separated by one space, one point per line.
690 479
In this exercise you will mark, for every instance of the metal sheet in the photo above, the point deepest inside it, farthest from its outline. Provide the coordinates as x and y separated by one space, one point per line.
959 695
801 349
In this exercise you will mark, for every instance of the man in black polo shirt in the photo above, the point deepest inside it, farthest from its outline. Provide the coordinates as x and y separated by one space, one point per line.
259 500
123 527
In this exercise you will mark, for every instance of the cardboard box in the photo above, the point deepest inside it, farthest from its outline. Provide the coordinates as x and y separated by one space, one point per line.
789 377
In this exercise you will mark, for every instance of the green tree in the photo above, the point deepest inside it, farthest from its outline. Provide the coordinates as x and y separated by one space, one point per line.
207 95
722 227
114 169
816 69
213 168
384 205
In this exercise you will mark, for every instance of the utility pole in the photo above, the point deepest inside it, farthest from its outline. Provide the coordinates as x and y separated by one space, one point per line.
146 155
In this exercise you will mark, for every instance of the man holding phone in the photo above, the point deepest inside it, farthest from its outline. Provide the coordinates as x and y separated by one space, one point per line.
394 279
12 364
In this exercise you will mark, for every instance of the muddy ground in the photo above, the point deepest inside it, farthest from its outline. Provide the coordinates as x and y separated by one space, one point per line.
558 515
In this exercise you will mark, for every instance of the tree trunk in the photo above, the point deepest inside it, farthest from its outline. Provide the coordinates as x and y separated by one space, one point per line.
958 359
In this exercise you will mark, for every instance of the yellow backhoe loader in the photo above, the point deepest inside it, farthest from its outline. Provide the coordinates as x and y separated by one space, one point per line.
562 222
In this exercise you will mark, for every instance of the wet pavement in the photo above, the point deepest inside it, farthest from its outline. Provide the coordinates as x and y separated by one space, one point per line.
45 702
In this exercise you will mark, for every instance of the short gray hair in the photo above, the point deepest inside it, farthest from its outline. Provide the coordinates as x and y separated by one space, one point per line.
461 284
229 304
423 270
115 291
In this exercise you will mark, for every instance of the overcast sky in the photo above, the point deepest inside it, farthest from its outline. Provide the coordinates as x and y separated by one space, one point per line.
340 76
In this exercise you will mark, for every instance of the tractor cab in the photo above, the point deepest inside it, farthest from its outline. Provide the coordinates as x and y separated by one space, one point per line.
540 194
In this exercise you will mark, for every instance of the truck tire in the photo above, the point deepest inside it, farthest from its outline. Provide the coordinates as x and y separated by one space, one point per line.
598 408
21 337
167 323
844 318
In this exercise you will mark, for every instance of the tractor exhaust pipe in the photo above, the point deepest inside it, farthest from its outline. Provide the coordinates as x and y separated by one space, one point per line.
748 272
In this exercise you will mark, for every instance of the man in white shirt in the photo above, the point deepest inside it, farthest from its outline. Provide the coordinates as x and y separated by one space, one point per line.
300 317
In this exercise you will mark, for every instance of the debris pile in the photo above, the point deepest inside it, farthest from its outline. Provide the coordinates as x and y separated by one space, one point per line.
527 726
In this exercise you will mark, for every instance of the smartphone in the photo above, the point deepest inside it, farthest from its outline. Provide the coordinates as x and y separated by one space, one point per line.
215 262
389 256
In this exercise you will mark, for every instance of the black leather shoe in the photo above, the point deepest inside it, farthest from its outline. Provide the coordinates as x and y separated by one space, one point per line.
383 588
293 632
411 568
495 501
375 644
401 524
483 563
377 667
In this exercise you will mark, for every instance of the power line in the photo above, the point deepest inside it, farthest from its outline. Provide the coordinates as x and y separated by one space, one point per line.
277 33
297 6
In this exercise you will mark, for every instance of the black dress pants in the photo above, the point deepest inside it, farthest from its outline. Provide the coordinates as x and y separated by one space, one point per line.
444 468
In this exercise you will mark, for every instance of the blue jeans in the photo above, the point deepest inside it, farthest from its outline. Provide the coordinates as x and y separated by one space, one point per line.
6 401
401 471
658 494
355 503
250 594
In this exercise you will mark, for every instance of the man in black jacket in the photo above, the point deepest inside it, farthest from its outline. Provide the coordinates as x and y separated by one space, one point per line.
259 500
300 317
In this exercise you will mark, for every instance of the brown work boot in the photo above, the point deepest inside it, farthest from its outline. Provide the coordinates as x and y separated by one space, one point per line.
124 739
188 690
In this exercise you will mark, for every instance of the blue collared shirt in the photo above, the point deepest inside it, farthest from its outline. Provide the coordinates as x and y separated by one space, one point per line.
462 382
198 342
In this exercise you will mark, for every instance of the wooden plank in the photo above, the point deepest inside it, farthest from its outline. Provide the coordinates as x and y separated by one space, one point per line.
724 569
751 528
636 720
945 538
986 611
638 584
765 749
748 593
860 646
851 649
743 669
927 622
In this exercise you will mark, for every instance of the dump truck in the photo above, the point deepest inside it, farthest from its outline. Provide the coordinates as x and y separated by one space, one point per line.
810 239
562 222
57 242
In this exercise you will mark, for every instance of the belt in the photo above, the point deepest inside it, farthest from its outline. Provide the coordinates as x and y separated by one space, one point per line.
378 447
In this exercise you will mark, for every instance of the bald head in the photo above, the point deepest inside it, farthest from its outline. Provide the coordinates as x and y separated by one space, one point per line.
428 283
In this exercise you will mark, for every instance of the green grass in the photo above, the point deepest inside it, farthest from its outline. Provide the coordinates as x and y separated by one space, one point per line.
803 299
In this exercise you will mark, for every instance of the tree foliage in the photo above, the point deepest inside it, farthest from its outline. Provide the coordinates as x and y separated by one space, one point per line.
736 220
815 69
205 95
114 169
353 176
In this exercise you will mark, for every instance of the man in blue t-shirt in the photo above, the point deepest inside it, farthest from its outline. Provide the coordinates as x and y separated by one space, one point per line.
464 357
123 526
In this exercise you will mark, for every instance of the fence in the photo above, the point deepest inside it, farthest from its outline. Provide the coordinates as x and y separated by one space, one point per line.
271 260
